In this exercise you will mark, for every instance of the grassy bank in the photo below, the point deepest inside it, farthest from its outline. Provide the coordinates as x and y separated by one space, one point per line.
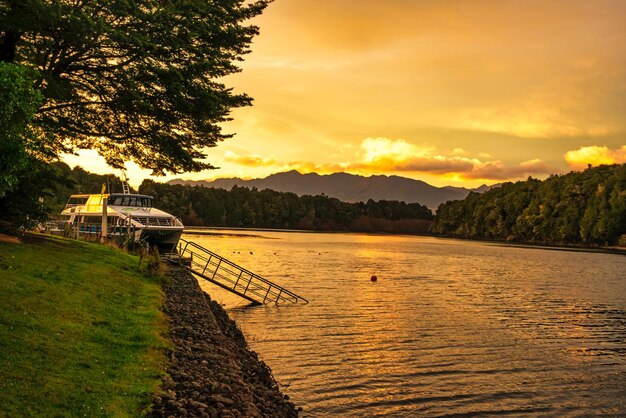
79 330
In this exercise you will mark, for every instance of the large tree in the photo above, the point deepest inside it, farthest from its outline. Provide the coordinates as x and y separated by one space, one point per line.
136 80
18 104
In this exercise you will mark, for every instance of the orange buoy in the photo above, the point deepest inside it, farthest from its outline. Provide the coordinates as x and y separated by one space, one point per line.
373 278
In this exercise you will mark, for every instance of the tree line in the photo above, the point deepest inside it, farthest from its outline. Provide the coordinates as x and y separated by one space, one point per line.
252 208
586 208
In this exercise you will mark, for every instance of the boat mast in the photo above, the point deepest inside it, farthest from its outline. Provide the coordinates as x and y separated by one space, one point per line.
125 185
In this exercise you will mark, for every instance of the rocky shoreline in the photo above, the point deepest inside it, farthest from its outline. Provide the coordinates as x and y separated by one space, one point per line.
212 371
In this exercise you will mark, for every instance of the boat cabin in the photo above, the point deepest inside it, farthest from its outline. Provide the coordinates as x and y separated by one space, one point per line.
131 200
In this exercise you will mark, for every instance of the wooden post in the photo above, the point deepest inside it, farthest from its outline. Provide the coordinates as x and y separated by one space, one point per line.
77 230
104 230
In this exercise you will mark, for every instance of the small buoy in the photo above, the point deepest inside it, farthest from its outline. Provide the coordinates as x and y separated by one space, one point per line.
373 278
250 252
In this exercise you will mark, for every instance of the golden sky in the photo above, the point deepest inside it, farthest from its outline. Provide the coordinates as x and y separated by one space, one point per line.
447 91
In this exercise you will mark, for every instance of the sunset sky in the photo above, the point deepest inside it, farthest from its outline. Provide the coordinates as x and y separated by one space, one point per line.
451 92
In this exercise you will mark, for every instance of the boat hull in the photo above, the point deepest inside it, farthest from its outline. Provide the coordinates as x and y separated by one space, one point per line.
162 238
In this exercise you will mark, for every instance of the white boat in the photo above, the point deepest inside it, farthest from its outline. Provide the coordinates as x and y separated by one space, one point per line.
121 214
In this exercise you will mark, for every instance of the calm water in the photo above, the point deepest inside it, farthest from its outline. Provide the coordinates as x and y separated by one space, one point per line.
451 328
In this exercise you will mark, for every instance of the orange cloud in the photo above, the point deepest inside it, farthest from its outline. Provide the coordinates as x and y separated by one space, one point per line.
384 155
496 170
254 160
595 155
251 160
310 167
471 66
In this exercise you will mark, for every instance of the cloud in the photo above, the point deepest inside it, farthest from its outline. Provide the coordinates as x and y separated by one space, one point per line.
251 160
384 155
496 170
466 65
387 155
459 151
310 167
595 155
255 160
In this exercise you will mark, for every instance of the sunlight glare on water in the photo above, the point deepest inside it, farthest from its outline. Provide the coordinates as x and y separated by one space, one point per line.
451 328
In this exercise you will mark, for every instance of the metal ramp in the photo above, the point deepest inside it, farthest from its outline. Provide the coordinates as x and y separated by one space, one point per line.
230 276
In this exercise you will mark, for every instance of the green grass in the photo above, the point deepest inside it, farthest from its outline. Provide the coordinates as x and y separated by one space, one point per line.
80 331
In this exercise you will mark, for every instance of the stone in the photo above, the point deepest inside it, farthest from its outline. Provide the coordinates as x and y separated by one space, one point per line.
211 368
222 399
198 405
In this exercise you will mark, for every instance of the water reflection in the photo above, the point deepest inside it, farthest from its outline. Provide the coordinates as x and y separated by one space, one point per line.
449 328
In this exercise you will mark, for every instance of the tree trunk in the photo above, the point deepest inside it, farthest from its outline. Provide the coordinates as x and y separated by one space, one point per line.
8 45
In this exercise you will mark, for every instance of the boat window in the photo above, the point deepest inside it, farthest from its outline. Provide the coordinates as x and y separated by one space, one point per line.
76 201
130 200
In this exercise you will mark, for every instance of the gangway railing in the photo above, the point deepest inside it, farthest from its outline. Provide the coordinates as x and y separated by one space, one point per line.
230 276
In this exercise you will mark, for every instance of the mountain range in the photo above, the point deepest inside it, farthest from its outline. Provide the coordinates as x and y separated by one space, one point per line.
346 187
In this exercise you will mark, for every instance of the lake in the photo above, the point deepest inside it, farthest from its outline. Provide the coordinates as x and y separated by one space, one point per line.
450 328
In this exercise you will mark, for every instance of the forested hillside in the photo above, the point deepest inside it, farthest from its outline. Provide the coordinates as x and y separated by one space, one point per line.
586 207
345 187
243 207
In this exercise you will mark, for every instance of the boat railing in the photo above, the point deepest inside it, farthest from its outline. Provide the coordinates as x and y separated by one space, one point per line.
231 276
87 229
157 221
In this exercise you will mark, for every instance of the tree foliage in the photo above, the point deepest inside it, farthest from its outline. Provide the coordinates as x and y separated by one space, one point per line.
577 208
43 189
27 204
136 80
78 181
18 104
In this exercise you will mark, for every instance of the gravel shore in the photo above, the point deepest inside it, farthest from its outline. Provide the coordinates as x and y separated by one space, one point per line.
212 371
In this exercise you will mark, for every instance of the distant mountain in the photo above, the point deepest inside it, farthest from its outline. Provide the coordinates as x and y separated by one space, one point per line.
346 187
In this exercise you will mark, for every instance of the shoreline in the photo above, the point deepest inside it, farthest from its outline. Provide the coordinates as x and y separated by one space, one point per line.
551 247
212 372
205 230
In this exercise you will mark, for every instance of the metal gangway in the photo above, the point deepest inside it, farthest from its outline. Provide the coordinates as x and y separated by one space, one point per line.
230 276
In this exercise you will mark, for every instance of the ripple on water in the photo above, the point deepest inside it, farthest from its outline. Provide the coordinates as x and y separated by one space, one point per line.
450 328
